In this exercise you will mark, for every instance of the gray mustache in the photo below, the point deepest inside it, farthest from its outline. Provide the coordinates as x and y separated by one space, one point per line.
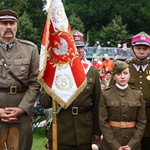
8 30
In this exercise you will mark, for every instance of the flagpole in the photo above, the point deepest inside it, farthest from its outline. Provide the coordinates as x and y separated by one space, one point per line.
54 125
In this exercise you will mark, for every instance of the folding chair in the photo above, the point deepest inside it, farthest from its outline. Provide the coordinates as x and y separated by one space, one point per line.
38 116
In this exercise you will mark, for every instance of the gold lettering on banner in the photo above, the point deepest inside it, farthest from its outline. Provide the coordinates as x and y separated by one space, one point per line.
64 82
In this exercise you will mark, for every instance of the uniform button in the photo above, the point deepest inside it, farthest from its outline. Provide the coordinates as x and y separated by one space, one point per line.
9 78
112 103
124 116
87 88
141 88
140 77
141 93
8 56
123 105
140 82
90 79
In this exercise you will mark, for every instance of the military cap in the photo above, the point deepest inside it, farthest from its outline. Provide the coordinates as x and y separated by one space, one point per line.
78 38
8 15
119 66
141 38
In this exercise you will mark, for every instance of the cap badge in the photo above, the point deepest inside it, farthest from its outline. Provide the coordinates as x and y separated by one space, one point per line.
142 37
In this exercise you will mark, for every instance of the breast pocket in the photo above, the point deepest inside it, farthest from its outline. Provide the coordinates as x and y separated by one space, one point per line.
113 109
133 106
22 66
90 85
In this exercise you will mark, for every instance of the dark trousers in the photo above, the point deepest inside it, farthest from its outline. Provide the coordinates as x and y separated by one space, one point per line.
72 147
145 143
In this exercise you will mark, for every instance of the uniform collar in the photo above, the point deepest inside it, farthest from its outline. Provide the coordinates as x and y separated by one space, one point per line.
143 67
7 46
121 87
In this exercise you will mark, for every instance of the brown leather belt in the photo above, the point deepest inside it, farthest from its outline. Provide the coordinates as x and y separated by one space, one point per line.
13 90
122 124
77 110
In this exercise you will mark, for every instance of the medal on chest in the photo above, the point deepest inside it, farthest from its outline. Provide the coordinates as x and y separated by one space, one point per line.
148 74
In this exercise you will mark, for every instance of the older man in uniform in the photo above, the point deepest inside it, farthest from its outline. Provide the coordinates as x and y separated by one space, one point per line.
140 76
19 61
78 124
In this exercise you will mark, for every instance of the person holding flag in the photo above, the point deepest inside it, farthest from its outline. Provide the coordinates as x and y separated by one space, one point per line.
70 87
78 124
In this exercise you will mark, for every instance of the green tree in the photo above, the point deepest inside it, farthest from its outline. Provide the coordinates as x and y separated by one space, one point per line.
34 10
115 33
27 31
76 23
13 4
97 13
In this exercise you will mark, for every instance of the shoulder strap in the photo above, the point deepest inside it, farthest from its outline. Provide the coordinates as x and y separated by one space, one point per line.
10 72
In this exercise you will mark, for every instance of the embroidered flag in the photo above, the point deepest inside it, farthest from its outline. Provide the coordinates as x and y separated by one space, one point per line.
61 73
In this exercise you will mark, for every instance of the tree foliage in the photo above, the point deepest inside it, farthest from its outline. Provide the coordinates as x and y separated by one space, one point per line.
115 33
76 23
32 18
90 16
96 14
26 30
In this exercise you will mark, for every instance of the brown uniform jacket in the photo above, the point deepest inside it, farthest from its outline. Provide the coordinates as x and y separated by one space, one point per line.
139 80
23 61
79 129
121 105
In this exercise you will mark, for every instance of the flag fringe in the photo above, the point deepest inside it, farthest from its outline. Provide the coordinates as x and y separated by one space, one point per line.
59 99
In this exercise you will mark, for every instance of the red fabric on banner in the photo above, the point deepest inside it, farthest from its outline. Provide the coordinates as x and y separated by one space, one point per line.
61 71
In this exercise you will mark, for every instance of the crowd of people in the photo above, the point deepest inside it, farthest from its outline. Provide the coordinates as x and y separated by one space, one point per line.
111 113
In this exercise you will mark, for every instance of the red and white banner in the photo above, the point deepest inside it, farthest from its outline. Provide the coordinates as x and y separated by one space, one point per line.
61 73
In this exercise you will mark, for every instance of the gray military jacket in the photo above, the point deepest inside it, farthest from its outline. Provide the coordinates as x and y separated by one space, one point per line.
121 105
23 61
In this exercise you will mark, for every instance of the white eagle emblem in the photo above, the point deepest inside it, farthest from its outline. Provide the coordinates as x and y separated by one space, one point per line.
62 47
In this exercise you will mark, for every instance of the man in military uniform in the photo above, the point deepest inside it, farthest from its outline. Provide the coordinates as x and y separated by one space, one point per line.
78 124
140 76
19 61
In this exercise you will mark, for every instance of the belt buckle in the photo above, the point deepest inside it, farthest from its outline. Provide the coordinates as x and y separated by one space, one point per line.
75 110
13 90
123 124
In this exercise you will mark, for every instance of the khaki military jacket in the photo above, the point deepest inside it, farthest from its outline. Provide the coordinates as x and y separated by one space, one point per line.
140 80
79 129
23 61
121 105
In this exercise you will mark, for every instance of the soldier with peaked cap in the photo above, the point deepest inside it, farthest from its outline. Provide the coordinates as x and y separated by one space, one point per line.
19 61
140 76
78 124
122 117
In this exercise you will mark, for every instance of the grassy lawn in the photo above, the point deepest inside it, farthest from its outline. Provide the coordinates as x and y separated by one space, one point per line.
39 139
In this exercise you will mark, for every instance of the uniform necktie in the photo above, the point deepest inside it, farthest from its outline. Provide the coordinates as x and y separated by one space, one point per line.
141 69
